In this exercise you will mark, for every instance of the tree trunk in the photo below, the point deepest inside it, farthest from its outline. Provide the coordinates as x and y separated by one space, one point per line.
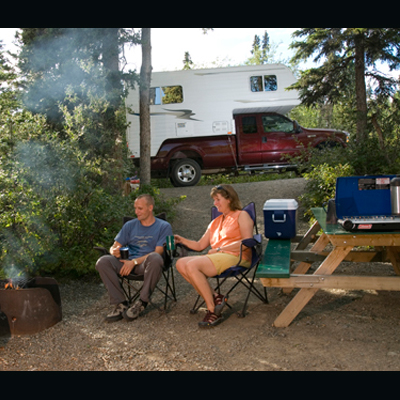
145 134
110 57
361 93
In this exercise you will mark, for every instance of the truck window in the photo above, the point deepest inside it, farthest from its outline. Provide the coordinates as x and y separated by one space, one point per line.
266 83
276 123
249 124
166 95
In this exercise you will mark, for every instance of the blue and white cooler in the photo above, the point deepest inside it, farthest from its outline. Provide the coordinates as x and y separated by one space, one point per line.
280 218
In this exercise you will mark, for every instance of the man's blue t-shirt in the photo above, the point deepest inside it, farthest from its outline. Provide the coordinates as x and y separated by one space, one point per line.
142 240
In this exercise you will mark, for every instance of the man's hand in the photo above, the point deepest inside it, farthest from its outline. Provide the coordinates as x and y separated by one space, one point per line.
114 249
127 268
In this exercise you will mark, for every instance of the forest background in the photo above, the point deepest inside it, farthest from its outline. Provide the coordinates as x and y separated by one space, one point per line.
63 158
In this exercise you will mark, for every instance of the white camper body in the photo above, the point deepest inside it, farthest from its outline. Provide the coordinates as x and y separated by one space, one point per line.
203 102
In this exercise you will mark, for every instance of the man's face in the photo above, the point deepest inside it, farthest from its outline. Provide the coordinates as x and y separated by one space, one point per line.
143 210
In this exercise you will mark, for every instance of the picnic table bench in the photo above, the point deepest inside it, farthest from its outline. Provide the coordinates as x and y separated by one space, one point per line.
276 260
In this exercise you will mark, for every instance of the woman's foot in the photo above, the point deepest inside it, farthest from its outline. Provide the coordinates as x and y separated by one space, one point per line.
219 302
211 319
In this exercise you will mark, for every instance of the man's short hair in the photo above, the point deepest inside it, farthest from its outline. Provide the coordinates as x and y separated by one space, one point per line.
148 198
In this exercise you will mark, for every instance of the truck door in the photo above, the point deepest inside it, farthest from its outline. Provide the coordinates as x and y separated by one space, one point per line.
277 138
248 139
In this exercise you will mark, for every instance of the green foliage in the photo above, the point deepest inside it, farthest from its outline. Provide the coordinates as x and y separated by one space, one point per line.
53 210
321 184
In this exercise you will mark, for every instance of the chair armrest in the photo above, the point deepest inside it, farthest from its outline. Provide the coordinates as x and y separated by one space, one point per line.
102 250
251 242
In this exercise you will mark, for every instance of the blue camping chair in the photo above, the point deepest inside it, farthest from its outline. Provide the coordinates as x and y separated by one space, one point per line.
241 275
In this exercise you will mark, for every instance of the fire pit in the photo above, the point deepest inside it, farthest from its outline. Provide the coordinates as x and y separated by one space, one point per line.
29 306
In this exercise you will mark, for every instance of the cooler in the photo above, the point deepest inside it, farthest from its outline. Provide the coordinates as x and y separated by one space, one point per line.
280 218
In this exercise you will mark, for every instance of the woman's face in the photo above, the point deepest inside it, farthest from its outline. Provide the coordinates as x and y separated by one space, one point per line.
222 204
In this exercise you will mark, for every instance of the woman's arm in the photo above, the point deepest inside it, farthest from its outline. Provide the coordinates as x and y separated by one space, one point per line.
200 245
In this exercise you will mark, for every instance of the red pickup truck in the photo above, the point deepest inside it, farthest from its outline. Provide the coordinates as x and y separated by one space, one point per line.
261 142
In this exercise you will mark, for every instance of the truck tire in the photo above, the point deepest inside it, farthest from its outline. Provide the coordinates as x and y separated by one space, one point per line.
185 172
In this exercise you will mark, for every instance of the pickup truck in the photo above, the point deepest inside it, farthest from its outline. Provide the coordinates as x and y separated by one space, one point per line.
262 142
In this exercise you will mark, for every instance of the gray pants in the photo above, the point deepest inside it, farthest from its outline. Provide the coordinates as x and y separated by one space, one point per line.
109 268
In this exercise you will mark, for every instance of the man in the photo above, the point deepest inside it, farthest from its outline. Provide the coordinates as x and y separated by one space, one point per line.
144 236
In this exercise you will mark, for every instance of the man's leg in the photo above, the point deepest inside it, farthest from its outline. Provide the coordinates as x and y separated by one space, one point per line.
108 268
151 268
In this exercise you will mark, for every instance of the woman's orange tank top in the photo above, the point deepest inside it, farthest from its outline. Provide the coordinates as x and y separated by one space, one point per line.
225 231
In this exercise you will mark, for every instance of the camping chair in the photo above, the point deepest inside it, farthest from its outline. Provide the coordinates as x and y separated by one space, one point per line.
132 290
242 275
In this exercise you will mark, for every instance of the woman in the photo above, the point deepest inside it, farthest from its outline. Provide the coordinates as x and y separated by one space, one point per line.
224 234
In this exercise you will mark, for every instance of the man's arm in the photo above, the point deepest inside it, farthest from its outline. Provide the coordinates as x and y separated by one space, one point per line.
130 264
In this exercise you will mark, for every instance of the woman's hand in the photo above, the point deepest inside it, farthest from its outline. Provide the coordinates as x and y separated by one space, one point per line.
178 239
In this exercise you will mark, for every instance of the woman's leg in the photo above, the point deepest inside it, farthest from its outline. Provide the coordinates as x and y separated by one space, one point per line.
196 270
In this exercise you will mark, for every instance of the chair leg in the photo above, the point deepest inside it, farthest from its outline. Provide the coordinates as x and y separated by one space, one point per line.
252 289
169 287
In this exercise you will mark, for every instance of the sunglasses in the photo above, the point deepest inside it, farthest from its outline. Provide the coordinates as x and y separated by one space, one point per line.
220 187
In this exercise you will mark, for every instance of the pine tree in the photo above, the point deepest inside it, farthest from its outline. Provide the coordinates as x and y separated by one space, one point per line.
349 57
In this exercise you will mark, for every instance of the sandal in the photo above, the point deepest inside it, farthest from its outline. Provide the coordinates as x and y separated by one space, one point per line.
220 302
211 319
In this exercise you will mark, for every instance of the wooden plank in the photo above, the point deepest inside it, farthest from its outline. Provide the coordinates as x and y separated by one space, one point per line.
393 254
366 239
303 267
353 256
336 282
305 295
309 236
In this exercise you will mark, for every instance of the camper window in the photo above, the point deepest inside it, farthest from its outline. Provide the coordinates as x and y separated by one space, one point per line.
267 83
166 95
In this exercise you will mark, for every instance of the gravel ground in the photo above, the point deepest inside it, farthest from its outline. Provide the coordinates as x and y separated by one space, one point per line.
337 330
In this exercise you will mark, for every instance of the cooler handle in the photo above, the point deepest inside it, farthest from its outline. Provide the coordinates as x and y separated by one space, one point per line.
279 221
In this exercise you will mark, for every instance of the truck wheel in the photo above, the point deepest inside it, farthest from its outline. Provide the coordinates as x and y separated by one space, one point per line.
186 172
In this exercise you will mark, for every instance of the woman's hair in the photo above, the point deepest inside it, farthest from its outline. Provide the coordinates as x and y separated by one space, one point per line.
229 193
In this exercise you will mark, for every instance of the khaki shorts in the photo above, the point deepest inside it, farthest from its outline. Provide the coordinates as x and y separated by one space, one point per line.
223 261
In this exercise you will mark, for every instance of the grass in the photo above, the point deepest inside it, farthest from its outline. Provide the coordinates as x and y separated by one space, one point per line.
229 179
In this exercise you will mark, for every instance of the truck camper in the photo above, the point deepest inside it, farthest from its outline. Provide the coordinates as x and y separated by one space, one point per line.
222 119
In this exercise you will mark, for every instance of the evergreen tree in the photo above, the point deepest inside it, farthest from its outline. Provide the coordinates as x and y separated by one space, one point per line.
349 57
262 51
187 61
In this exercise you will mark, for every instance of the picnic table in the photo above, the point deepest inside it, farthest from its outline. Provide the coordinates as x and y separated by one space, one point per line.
332 247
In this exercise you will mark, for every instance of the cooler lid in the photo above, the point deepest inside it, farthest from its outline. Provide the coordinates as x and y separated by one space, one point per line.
281 204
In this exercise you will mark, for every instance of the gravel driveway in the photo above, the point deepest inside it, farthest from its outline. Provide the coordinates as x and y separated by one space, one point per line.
337 330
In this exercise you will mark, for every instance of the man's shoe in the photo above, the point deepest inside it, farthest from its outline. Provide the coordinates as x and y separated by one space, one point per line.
116 313
132 313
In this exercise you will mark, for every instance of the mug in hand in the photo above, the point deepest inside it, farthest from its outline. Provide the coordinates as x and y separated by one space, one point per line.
124 253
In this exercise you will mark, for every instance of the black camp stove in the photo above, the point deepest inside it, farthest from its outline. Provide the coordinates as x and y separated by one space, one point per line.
377 223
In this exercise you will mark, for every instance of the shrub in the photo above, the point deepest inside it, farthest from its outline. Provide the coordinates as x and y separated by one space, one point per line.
321 184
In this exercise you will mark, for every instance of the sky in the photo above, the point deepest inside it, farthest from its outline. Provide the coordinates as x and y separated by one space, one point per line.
222 46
